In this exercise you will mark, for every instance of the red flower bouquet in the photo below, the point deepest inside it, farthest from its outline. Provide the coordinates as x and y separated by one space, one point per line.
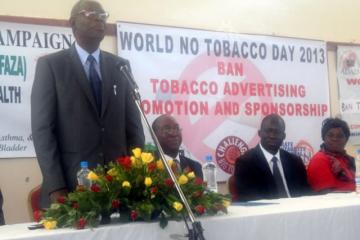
133 188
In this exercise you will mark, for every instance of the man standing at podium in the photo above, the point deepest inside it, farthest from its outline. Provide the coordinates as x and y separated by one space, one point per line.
266 171
81 106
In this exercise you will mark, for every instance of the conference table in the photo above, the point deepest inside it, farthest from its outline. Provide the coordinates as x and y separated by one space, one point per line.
334 216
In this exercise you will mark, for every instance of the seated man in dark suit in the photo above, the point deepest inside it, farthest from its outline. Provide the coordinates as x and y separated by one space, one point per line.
2 219
168 132
268 172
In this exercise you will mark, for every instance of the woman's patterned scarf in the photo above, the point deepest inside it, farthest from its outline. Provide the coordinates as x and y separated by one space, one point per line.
337 168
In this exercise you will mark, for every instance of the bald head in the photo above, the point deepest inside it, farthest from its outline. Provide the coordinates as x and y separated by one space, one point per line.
82 5
159 121
274 118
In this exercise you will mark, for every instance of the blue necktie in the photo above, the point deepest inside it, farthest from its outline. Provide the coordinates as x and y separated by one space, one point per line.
278 179
95 81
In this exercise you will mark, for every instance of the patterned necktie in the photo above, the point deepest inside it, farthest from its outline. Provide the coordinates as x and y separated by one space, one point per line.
178 166
95 81
278 179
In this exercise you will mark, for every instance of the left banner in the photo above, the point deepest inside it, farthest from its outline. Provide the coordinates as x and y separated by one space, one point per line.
20 47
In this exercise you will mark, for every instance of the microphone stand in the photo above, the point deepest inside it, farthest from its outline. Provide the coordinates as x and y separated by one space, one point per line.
197 231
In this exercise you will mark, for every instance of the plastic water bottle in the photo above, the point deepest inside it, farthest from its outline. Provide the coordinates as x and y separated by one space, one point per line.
82 175
357 158
357 163
209 170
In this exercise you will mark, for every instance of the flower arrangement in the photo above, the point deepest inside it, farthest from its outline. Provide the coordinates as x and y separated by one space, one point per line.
130 189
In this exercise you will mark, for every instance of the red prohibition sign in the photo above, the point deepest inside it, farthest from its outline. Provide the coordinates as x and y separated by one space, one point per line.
195 131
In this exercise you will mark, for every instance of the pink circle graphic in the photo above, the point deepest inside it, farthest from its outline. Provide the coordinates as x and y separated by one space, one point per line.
195 132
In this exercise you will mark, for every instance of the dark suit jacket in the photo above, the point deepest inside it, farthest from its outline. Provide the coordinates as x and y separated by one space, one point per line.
254 179
192 164
2 219
66 125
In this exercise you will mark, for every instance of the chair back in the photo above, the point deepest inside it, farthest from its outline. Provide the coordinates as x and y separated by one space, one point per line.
34 200
232 188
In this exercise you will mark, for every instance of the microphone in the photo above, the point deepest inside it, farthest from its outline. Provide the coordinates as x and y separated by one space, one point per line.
124 69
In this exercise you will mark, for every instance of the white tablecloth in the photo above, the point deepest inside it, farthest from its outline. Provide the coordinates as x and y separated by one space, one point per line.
328 217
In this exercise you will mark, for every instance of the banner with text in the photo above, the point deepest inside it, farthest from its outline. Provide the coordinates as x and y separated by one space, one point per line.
220 85
20 47
348 74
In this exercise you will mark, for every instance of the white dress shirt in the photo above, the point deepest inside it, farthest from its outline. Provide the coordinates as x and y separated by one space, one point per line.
268 157
83 55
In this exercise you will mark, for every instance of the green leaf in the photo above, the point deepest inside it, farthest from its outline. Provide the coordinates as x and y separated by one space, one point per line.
84 203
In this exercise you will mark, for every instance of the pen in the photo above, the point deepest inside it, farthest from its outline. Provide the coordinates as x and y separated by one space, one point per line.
114 90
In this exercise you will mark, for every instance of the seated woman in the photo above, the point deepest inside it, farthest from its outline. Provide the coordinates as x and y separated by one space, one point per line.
331 169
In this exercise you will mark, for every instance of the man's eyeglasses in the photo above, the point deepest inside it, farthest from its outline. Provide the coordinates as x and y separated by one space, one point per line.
95 15
171 130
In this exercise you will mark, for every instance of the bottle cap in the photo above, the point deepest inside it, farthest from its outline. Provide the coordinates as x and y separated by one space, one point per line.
84 164
208 158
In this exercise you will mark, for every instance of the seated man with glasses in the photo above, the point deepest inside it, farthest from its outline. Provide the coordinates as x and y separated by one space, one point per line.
168 132
76 113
